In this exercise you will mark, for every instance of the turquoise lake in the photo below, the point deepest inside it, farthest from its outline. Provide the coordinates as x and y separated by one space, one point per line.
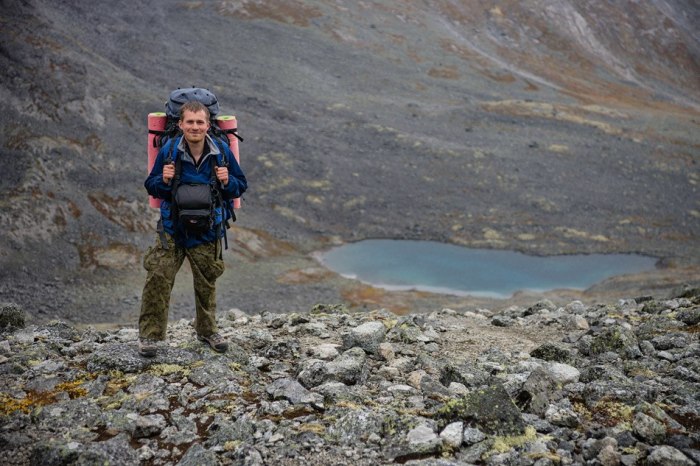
451 269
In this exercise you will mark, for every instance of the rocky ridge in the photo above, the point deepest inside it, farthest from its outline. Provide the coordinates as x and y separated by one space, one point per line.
605 384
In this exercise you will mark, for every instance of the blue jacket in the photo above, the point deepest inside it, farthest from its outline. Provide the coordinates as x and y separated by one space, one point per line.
155 186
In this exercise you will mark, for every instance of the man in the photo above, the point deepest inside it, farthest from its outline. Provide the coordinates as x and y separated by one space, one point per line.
197 154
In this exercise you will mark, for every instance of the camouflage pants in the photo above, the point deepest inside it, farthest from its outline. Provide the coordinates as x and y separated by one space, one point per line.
162 265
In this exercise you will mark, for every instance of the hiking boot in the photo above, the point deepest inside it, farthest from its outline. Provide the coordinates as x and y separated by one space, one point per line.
216 342
147 348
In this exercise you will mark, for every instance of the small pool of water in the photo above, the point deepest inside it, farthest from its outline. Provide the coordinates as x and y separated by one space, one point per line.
450 269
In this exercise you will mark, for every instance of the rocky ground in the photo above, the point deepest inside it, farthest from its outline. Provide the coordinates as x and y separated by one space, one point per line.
537 126
541 385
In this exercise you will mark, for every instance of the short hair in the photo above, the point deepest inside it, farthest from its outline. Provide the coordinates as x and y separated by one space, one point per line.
194 106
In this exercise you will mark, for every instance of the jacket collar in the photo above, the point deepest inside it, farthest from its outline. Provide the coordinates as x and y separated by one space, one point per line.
211 150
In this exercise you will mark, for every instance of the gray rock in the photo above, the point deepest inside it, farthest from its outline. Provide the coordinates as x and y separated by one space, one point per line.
552 352
149 425
573 322
348 367
668 456
616 339
592 447
125 357
292 391
212 374
113 451
336 391
222 430
326 351
608 456
491 409
420 440
473 435
356 425
502 321
689 316
562 416
537 392
466 374
473 454
406 330
314 373
197 455
12 316
562 374
649 429
367 336
423 438
452 434
544 304
576 307
670 341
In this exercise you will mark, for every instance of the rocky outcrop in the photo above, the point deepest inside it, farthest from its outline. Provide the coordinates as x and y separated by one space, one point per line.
335 387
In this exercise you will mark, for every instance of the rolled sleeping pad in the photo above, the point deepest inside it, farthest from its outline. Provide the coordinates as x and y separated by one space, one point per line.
156 122
229 122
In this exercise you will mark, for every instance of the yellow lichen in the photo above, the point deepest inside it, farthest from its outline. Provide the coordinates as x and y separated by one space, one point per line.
316 428
502 444
168 369
556 459
612 413
35 399
231 445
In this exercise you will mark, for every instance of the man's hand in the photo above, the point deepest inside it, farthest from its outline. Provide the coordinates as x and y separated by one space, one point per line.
222 175
168 173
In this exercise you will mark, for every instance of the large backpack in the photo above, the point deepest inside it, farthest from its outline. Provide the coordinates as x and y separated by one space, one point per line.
175 101
195 210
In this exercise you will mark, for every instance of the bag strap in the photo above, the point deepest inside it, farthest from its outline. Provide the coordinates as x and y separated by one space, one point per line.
220 162
178 173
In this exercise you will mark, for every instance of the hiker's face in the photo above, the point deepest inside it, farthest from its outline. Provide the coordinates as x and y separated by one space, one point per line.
194 126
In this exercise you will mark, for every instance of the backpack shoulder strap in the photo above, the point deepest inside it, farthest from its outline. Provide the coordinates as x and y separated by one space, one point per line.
221 158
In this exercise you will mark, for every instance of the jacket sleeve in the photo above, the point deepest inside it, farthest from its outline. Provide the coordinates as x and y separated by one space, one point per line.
154 183
237 183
